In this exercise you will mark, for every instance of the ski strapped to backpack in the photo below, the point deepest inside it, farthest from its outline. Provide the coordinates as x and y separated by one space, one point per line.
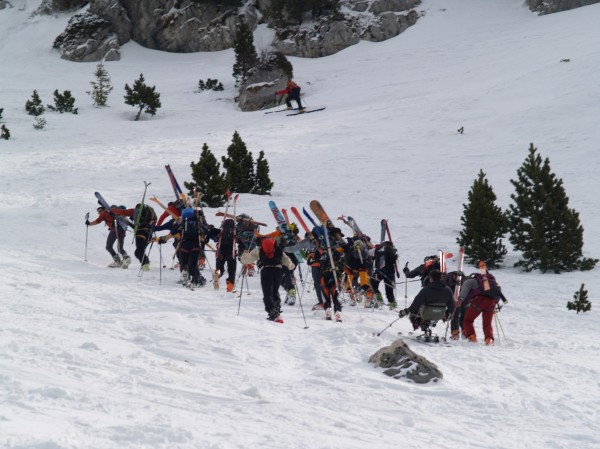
288 236
176 189
120 220
137 218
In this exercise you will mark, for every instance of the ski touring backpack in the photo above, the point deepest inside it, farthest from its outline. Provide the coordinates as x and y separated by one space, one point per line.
147 214
190 224
493 292
227 232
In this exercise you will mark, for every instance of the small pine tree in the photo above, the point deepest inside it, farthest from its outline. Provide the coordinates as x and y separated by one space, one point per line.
262 182
1 111
581 303
239 166
4 132
208 179
102 87
210 84
144 97
484 224
245 53
39 123
63 102
542 225
34 106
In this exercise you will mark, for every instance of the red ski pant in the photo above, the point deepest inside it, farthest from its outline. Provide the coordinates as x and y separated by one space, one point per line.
484 306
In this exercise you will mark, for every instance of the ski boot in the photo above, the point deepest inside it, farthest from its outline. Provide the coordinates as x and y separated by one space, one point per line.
146 267
392 305
116 263
290 299
230 286
216 276
338 317
126 261
185 278
328 314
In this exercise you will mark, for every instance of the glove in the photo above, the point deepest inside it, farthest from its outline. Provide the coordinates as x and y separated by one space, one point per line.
162 240
406 270
402 313
87 222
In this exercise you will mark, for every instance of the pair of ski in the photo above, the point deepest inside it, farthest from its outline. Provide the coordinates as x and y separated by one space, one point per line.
297 111
217 273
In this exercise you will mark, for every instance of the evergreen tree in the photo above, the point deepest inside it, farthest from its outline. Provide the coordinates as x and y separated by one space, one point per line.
542 225
1 111
245 53
144 97
208 179
63 102
262 183
4 132
484 224
39 123
581 303
34 106
239 166
102 87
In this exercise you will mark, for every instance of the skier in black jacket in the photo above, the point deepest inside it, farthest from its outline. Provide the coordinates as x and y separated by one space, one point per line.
423 270
271 259
435 292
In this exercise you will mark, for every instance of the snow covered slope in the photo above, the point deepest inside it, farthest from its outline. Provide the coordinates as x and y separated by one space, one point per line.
100 359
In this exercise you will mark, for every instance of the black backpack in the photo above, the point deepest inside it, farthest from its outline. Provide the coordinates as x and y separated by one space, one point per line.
147 214
227 232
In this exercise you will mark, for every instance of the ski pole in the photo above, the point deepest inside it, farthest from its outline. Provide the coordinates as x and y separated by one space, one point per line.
241 290
499 326
87 228
386 328
406 292
302 308
161 262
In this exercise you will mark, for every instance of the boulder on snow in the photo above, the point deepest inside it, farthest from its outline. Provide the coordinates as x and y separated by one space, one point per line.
88 37
401 362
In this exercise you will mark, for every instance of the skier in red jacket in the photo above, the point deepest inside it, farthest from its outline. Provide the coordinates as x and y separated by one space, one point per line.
293 93
116 233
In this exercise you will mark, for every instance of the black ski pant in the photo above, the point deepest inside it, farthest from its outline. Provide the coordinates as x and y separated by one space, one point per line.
142 237
458 317
293 95
315 271
270 281
330 292
110 242
388 277
188 257
225 256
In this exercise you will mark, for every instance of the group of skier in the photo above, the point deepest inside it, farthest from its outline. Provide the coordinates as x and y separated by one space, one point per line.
343 269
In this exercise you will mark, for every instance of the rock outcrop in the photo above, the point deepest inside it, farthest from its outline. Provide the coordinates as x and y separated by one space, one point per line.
552 6
184 26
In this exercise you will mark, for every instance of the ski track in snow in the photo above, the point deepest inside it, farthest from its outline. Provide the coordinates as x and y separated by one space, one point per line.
100 358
